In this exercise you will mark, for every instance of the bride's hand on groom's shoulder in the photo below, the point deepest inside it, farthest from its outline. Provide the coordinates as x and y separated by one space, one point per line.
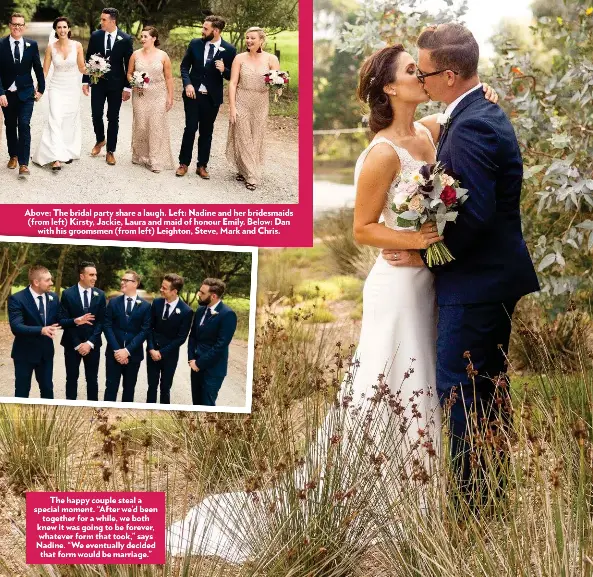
402 257
490 93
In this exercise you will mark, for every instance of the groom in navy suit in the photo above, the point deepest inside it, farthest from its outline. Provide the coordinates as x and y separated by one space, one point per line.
33 314
206 62
170 321
18 57
127 322
208 348
82 313
115 45
477 292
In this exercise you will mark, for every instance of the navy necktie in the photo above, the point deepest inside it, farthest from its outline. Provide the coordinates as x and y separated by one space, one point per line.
208 314
166 315
41 309
86 301
17 52
210 54
129 307
108 49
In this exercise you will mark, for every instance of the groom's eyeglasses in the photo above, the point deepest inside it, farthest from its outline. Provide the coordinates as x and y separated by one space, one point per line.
15 25
422 75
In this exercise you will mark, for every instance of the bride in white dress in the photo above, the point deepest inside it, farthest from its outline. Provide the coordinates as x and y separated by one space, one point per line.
61 139
398 334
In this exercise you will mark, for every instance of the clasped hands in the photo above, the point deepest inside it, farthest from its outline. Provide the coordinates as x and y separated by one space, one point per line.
122 356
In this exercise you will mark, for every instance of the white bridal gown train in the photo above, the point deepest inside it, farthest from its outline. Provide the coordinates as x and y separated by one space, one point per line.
62 138
398 325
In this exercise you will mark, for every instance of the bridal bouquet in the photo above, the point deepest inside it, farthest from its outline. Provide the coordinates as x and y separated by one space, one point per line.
97 67
276 79
139 80
430 194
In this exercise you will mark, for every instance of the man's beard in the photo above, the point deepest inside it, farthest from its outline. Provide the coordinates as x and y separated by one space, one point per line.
205 302
208 38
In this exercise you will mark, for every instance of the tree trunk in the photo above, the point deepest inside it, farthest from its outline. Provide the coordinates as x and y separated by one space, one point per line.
9 274
60 269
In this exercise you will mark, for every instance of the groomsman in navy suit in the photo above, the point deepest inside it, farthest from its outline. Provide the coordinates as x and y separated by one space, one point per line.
169 326
33 314
206 63
18 57
82 313
208 349
127 322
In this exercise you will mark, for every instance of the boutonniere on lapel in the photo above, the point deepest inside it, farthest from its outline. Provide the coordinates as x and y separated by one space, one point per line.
177 312
214 313
444 120
95 294
138 301
50 298
27 45
119 38
220 49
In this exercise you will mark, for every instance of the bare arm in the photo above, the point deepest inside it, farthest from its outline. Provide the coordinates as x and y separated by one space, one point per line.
233 87
274 63
131 66
378 172
431 123
47 61
169 80
80 58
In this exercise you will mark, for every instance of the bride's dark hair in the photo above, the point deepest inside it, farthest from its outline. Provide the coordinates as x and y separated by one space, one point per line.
377 71
62 19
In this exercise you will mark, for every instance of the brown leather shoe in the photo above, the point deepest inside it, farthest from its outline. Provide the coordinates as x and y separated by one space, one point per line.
202 172
97 148
13 162
23 171
182 170
110 159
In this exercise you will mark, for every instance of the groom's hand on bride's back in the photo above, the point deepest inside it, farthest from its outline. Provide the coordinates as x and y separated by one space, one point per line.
402 257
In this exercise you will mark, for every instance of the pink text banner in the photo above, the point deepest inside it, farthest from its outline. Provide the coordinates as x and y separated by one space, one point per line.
95 527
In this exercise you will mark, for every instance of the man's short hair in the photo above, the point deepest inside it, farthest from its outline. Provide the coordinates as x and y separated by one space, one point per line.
216 21
17 15
452 47
85 264
135 275
36 271
215 286
175 280
112 12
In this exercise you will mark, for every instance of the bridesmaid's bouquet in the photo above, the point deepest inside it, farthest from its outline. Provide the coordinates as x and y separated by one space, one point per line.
276 79
139 80
97 67
432 195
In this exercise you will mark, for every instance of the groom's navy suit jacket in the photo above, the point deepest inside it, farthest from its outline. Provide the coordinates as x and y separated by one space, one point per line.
71 308
30 345
492 263
166 336
209 343
195 73
21 74
121 52
122 332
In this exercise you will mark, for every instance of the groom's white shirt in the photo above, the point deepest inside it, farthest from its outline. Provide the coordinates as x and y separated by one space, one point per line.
206 49
90 296
442 118
21 44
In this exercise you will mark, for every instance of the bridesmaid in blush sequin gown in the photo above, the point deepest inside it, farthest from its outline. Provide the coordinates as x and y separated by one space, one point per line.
249 103
151 145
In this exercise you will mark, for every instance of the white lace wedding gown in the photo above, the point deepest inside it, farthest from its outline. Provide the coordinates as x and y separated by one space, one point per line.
398 340
61 139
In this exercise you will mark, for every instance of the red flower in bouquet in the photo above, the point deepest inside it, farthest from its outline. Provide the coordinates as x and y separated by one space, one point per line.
448 195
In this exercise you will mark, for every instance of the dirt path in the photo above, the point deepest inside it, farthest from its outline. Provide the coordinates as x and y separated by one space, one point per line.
91 180
232 393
